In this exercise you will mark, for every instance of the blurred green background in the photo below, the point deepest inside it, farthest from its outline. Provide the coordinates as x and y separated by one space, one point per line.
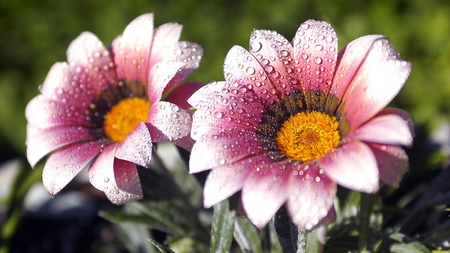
35 34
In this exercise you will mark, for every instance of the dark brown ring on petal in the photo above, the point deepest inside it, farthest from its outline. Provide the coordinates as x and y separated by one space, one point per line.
277 113
100 106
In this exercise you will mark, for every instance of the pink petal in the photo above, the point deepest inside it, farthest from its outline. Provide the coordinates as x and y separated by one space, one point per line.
73 85
221 107
185 142
63 165
213 150
392 163
159 78
91 63
42 112
132 49
315 52
173 122
350 59
385 129
265 191
40 142
353 166
118 179
224 182
243 72
274 53
311 196
190 54
378 80
165 40
180 94
137 146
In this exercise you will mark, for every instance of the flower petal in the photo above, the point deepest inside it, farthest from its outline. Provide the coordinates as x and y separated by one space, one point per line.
265 191
63 165
173 122
181 93
165 40
137 146
392 163
350 59
243 72
219 107
385 129
42 112
132 49
379 78
213 150
118 179
274 53
74 85
91 61
40 142
311 196
353 166
190 55
160 76
224 182
315 52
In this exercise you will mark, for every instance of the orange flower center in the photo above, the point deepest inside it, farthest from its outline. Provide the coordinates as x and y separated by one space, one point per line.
307 136
123 117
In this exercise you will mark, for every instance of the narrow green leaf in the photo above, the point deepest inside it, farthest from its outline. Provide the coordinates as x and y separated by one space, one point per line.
312 242
367 204
162 248
247 236
413 247
222 228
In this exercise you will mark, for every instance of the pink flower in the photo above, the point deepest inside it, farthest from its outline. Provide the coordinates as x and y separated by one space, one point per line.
103 109
293 120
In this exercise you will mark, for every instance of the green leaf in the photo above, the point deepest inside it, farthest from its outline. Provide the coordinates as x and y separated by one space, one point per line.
162 248
247 236
222 228
413 247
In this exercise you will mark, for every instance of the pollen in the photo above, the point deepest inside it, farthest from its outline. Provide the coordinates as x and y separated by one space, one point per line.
307 136
123 117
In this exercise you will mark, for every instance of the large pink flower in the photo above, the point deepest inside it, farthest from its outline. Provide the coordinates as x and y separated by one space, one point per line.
103 108
293 120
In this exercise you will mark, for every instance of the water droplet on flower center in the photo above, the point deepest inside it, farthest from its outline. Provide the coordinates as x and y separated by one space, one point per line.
307 136
123 117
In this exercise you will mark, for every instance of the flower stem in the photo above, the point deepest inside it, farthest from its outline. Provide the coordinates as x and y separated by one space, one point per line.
366 207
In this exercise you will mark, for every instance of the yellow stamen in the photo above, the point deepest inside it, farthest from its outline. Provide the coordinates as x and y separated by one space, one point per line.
307 136
123 117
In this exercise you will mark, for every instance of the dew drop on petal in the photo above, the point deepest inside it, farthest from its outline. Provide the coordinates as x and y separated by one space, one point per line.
250 71
106 179
255 46
218 115
318 60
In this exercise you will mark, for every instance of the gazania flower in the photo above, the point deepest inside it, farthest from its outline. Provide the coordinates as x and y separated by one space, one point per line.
103 107
295 119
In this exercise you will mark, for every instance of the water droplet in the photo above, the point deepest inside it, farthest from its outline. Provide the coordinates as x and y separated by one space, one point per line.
218 115
250 71
106 179
318 60
304 26
319 47
268 68
255 46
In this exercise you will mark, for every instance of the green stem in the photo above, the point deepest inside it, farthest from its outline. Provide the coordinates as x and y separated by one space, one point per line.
301 241
367 204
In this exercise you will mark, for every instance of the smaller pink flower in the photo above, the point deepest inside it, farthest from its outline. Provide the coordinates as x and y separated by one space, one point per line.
103 109
295 119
